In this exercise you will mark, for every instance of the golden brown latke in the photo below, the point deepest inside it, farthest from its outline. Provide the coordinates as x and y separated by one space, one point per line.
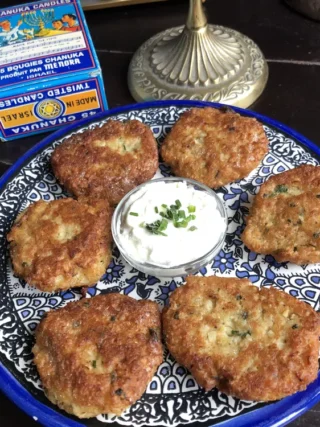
62 244
284 219
98 355
214 146
107 161
250 343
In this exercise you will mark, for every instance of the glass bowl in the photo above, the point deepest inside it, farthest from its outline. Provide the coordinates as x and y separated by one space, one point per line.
177 270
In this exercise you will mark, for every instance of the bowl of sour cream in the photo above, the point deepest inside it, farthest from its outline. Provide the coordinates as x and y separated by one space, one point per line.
170 227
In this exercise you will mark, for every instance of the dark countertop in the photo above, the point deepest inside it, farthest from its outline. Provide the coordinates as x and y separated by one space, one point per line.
290 42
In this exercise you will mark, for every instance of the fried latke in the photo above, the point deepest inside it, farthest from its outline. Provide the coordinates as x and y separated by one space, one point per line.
214 146
62 244
98 355
284 219
250 343
107 161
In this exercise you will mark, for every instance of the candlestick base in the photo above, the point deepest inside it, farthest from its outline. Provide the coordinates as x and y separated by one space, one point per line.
212 63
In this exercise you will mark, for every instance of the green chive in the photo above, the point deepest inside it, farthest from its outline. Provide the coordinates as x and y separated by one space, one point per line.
240 334
174 214
181 224
94 363
281 188
163 225
134 214
157 227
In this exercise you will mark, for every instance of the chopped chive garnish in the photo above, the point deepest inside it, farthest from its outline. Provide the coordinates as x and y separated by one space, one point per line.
163 224
191 208
157 227
133 213
173 213
181 224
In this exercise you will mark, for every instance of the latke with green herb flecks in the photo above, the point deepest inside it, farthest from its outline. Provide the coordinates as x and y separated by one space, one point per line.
107 161
284 219
98 355
62 244
253 344
214 146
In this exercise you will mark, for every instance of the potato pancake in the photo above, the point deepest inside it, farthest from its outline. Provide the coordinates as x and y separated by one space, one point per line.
284 219
62 244
253 344
107 161
97 355
214 146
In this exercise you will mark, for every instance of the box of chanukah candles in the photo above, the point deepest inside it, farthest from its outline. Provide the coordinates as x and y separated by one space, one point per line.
49 72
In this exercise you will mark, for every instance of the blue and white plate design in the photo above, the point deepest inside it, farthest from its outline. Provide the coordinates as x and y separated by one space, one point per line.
172 397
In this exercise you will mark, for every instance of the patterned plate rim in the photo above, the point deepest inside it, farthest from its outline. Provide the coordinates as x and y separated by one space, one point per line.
273 415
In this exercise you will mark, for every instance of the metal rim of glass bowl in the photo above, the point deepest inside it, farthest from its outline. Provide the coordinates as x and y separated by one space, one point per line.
177 270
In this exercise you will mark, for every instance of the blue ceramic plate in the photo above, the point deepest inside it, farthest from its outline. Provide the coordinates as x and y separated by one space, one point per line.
173 397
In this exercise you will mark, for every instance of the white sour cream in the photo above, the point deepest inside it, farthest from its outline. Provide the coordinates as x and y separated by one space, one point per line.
180 245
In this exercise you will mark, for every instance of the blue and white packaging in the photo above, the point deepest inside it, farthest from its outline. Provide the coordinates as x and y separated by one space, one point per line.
49 72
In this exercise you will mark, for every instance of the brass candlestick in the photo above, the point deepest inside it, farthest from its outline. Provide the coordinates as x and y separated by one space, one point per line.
198 61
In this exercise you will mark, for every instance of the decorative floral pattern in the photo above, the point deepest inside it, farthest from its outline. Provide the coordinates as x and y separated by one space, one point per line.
224 261
114 272
172 397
